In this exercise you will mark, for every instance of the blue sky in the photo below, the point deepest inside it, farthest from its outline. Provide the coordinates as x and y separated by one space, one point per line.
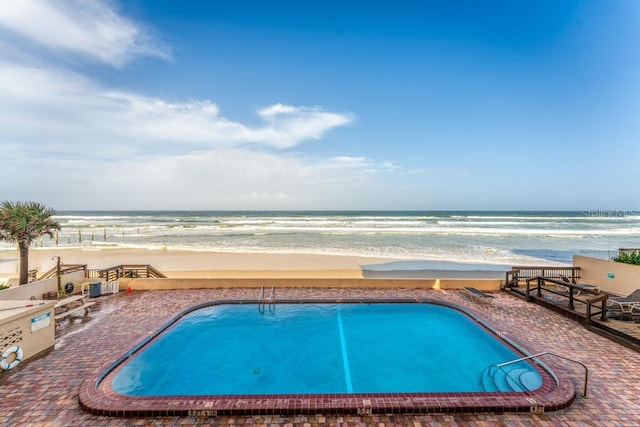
426 105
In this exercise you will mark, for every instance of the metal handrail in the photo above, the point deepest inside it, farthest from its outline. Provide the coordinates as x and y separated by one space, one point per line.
544 353
272 299
261 300
264 300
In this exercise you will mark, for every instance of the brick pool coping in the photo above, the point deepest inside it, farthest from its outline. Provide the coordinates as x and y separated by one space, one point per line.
97 396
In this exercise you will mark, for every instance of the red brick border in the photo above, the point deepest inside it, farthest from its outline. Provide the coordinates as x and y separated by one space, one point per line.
97 397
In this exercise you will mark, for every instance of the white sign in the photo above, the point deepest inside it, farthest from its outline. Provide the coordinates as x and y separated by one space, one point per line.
40 322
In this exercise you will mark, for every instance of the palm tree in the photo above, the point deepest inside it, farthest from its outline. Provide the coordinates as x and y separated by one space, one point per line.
22 223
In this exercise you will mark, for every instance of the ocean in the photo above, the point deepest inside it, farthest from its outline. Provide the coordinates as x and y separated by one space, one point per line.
416 240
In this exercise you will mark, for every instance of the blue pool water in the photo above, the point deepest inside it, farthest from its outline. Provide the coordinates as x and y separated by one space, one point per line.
317 349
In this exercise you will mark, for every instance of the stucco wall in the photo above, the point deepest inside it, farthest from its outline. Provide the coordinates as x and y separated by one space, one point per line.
166 284
27 324
614 277
36 289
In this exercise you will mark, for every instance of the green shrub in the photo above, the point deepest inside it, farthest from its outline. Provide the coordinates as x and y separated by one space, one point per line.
629 258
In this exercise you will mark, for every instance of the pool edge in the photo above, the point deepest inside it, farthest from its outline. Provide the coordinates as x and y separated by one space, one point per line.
97 398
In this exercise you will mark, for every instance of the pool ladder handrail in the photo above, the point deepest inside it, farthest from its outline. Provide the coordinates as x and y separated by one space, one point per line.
269 301
548 353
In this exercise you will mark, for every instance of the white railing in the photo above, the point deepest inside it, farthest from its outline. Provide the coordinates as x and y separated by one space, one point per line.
269 301
548 353
110 287
605 254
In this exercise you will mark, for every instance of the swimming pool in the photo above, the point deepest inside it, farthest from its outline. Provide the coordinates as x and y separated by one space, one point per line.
366 348
320 357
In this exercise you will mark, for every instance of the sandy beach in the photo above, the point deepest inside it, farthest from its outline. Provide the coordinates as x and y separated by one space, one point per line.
201 264
210 264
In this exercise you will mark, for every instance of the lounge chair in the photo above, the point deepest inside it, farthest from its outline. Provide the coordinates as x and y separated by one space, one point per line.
622 306
564 290
581 286
557 292
477 295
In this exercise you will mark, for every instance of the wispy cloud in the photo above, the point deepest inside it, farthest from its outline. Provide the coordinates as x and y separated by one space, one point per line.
91 28
74 113
289 124
222 178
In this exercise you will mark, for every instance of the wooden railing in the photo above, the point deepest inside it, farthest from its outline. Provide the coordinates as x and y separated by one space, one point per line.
126 271
64 269
561 289
592 302
520 274
32 275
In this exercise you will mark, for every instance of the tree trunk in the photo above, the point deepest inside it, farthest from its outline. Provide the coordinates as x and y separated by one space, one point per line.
24 262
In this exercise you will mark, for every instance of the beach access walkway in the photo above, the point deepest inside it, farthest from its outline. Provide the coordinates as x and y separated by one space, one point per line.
44 391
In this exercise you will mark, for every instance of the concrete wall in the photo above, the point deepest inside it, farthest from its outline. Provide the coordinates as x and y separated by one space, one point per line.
31 328
613 277
166 284
36 289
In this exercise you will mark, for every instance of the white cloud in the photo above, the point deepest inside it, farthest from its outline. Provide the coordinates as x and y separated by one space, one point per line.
288 124
73 143
276 109
74 113
90 28
222 178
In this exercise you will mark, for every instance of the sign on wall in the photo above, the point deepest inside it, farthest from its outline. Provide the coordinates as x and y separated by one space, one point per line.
40 322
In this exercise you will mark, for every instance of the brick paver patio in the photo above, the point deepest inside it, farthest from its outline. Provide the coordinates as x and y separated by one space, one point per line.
44 392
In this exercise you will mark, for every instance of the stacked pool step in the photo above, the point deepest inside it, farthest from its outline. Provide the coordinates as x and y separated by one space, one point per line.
510 378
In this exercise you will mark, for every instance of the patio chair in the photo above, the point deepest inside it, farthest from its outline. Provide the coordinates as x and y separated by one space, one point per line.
635 312
581 286
565 289
622 306
477 295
